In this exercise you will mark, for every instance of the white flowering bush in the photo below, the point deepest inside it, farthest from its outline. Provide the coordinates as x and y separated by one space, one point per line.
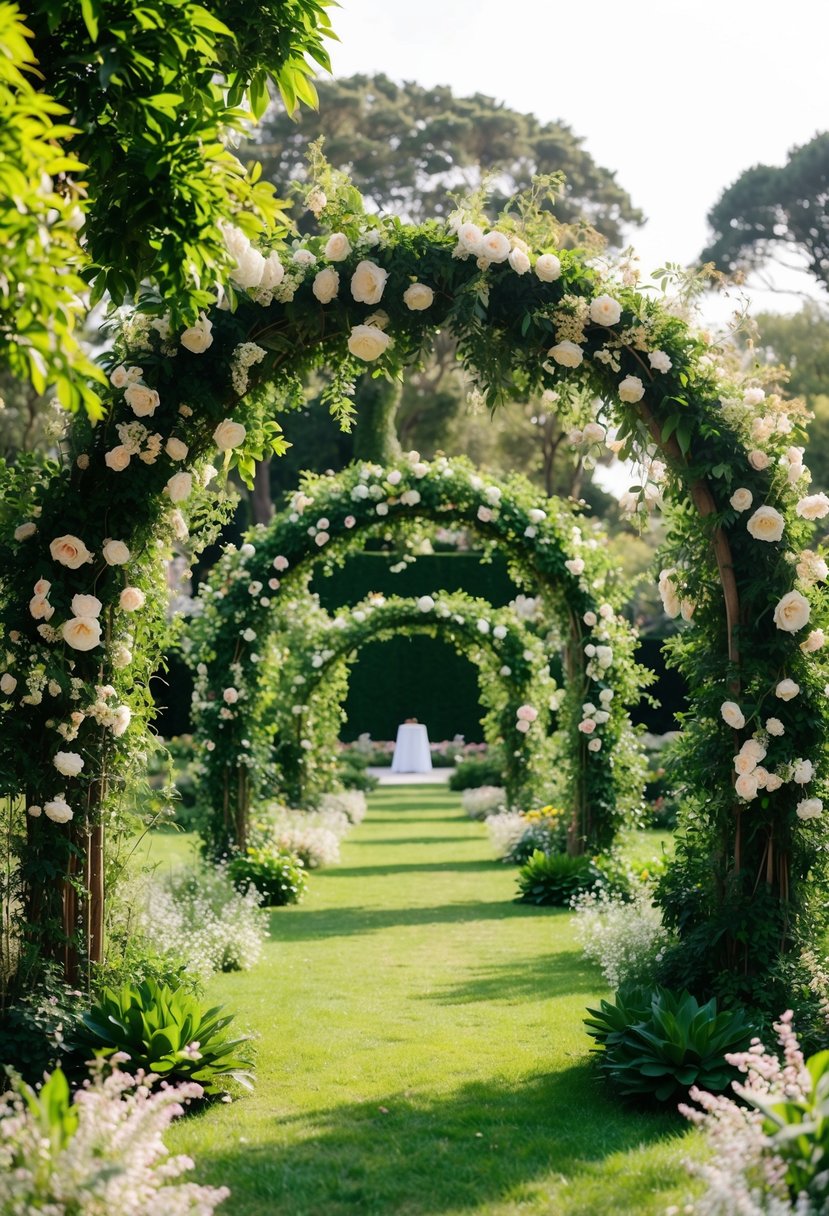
313 836
198 915
506 828
101 1153
484 801
351 803
624 936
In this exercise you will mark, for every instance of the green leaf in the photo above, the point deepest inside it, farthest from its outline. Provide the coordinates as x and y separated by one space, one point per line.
89 12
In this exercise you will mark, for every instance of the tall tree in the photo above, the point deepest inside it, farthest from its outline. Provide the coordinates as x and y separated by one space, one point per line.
776 213
407 148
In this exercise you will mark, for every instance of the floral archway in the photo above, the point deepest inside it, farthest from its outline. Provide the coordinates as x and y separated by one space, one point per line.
551 550
528 315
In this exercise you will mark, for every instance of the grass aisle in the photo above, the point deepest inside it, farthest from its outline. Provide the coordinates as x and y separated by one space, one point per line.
421 1048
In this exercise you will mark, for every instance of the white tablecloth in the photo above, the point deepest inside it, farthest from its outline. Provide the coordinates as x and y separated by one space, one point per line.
411 750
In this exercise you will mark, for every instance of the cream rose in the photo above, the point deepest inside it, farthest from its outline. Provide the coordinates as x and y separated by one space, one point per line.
367 342
228 435
744 764
25 531
746 786
548 268
773 782
58 810
470 237
86 605
143 401
787 690
115 553
118 377
198 337
70 551
273 272
732 715
631 389
754 749
337 249
82 632
40 608
594 432
809 808
179 486
811 568
659 361
575 565
775 727
230 696
758 460
814 506
117 458
120 720
766 524
741 499
803 773
495 246
567 354
249 268
815 640
8 683
604 310
418 297
68 764
326 285
519 261
792 612
368 283
131 599
176 449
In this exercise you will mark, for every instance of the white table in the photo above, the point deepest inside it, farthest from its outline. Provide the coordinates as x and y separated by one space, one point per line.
411 750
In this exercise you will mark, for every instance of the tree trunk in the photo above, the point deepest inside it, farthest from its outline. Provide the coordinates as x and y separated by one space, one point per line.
261 503
375 436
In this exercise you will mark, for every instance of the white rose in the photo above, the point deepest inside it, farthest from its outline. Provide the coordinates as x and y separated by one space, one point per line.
176 449
143 401
548 268
115 553
766 524
811 568
775 727
68 764
117 458
120 720
303 258
519 261
732 715
86 605
131 599
367 342
273 272
7 684
746 786
594 432
198 337
499 632
604 310
326 285
470 237
575 565
754 749
567 354
744 764
425 603
118 377
590 619
58 810
337 248
814 506
815 640
82 632
35 811
410 498
495 246
787 690
604 656
631 389
773 782
70 551
659 361
179 486
536 515
249 268
758 460
418 297
804 771
594 745
230 696
753 396
228 435
367 283
809 808
121 655
741 499
792 612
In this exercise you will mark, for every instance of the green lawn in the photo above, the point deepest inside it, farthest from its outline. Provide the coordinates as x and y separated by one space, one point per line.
421 1048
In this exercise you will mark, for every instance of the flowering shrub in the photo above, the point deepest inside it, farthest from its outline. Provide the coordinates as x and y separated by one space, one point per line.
312 836
198 915
505 830
523 833
100 1154
482 801
623 934
351 803
554 879
278 877
769 1151
474 771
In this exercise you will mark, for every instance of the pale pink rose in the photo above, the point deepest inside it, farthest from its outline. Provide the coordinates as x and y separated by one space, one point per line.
131 599
349 521
230 696
280 563
744 764
575 565
815 640
792 612
527 713
755 749
587 726
590 619
773 782
321 538
117 458
775 727
484 514
40 608
82 632
42 587
70 551
228 435
143 401
25 531
86 605
523 725
594 745
746 786
115 553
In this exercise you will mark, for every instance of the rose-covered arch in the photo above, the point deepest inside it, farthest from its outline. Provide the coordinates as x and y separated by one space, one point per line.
528 315
552 551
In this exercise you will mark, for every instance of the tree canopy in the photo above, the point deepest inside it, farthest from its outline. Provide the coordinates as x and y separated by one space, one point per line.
771 211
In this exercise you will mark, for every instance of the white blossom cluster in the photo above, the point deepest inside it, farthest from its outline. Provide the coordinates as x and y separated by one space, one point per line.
483 801
625 938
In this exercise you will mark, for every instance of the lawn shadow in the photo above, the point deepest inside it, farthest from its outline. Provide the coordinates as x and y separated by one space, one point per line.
421 840
409 867
306 924
406 1154
537 978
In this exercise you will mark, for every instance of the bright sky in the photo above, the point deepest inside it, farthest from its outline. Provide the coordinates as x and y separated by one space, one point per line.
676 96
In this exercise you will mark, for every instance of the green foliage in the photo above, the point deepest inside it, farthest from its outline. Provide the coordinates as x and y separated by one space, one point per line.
278 877
36 1029
471 774
352 772
52 1109
553 879
656 1044
770 209
168 1032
